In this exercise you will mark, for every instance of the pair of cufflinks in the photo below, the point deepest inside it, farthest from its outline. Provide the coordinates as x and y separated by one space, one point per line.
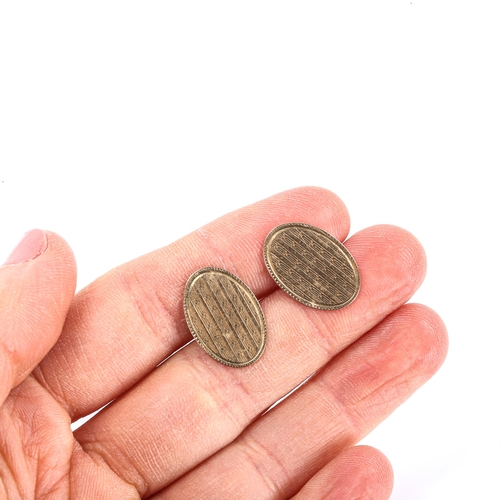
310 265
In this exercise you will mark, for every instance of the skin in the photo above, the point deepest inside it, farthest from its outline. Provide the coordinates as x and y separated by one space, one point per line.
192 427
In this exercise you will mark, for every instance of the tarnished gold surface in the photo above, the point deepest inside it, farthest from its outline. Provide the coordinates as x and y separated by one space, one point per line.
224 317
312 266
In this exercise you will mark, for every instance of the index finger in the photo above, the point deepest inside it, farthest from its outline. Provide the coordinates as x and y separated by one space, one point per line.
126 322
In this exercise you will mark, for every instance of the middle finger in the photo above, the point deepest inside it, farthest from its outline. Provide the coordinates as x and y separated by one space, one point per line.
191 406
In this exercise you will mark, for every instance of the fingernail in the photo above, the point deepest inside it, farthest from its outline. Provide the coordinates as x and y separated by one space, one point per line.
31 246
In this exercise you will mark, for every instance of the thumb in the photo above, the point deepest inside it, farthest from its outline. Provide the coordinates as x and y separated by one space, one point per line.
37 284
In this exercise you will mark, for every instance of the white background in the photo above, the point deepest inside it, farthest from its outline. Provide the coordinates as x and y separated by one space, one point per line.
124 126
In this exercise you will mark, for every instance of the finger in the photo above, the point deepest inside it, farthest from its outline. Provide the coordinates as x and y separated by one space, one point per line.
191 406
125 323
359 388
37 283
359 472
39 458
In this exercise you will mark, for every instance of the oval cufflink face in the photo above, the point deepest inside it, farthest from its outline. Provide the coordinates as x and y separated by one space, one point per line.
224 317
312 266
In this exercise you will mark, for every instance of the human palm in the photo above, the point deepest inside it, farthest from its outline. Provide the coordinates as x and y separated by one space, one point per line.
192 428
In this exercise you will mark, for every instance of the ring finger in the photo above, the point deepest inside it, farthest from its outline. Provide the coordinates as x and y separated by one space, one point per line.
283 449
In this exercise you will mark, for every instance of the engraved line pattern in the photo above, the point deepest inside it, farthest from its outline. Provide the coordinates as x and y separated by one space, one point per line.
311 267
293 278
216 337
230 330
320 244
252 312
209 324
309 275
216 316
299 261
333 261
335 258
248 309
201 317
224 317
223 282
299 273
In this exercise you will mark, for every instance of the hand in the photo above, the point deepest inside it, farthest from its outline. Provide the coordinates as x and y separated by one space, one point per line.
193 428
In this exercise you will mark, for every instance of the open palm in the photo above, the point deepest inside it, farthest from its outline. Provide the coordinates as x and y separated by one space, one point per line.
193 428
